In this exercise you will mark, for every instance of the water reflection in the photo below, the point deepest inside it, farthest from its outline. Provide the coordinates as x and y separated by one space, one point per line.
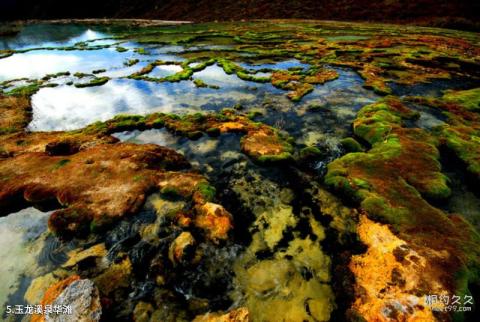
291 63
67 107
37 64
51 35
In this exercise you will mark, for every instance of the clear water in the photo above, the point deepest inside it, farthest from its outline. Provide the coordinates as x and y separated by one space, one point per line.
22 237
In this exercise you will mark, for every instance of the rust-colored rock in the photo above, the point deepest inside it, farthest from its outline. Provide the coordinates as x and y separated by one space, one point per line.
52 293
180 247
214 220
96 186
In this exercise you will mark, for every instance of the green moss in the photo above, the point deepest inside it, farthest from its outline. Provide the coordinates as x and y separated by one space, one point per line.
131 62
170 192
207 191
94 82
228 66
276 158
141 51
251 77
177 77
253 114
199 83
98 71
351 145
310 152
158 123
121 49
50 76
213 131
27 90
194 135
61 164
470 99
80 75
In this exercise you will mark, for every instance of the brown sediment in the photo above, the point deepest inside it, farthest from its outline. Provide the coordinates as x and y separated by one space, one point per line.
15 113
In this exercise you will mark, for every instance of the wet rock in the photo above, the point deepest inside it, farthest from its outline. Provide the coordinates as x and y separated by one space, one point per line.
275 288
180 184
266 146
39 286
142 312
25 142
82 297
52 293
180 247
236 315
140 254
77 256
214 220
351 145
117 275
343 218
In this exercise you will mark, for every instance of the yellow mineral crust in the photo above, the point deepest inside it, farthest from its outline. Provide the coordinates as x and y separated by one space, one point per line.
391 279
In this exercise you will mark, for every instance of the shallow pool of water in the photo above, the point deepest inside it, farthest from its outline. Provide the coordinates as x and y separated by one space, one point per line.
21 238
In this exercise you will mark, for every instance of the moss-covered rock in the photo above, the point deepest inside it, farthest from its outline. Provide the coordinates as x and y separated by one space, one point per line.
98 81
390 181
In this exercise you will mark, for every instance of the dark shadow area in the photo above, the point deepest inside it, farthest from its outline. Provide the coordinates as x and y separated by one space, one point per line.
460 14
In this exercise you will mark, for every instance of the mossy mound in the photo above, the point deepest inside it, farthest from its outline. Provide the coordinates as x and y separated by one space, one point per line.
261 142
390 183
461 133
97 81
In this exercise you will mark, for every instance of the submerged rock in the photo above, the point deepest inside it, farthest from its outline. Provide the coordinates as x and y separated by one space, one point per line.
78 256
214 220
236 315
275 289
41 284
180 246
117 275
